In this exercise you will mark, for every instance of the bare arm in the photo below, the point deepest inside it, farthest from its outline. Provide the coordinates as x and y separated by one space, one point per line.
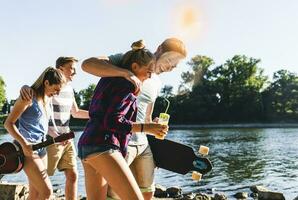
153 128
9 124
149 111
76 112
102 68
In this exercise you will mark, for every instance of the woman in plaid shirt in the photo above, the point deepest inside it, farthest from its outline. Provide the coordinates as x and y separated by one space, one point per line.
112 120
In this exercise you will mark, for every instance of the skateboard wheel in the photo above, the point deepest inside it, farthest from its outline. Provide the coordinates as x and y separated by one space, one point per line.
203 150
196 176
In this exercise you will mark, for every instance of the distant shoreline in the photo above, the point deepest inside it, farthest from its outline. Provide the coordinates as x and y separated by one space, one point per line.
211 126
208 126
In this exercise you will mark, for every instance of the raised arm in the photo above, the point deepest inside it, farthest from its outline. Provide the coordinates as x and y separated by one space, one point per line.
101 67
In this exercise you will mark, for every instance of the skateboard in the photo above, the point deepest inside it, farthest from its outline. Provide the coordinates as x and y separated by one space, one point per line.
179 158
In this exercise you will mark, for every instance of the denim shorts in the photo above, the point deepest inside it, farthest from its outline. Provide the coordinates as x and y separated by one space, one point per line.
86 150
40 152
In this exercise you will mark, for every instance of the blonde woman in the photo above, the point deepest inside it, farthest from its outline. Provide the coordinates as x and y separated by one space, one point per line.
33 119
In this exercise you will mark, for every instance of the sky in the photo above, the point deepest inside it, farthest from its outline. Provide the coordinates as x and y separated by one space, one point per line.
34 33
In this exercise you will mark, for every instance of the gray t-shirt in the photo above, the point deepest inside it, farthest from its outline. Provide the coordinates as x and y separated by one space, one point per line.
149 92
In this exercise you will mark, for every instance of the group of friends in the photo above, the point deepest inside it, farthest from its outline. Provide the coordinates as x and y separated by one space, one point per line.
113 148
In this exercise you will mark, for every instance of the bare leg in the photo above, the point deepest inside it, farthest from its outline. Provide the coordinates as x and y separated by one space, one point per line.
71 184
39 183
115 170
96 185
148 195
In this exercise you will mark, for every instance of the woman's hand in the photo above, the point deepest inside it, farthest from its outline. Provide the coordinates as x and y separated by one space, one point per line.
27 149
135 81
159 130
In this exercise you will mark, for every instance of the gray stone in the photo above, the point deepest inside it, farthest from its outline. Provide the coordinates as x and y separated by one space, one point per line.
257 188
268 195
14 191
241 195
296 198
160 191
220 197
211 190
265 194
174 192
202 196
190 196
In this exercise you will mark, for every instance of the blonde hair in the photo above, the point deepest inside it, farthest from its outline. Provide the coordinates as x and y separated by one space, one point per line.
139 54
54 76
173 44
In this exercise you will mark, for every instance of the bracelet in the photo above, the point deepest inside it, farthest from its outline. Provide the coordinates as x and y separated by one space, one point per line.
142 128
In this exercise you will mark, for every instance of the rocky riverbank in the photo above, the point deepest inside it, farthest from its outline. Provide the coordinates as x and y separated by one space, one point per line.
17 191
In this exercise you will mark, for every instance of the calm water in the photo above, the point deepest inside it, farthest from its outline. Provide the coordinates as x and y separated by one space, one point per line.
241 158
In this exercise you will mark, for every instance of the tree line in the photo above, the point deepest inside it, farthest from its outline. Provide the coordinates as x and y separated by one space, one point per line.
234 92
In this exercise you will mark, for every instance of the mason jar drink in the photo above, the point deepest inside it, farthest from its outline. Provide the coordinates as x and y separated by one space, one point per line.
164 120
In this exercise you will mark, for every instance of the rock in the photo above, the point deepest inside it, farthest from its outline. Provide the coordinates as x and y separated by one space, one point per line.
57 191
268 195
257 188
160 191
174 192
190 196
265 194
211 190
202 196
15 191
241 195
220 197
254 195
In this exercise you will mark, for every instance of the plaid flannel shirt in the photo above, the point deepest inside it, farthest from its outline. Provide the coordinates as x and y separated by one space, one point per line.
112 111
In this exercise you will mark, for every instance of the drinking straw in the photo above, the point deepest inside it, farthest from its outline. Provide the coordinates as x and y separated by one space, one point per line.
168 105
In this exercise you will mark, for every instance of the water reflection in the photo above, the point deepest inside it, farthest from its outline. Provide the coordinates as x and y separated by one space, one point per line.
241 158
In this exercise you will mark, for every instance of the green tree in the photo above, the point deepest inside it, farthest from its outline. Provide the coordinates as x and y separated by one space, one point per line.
2 92
199 71
239 83
86 96
281 97
167 91
78 98
227 93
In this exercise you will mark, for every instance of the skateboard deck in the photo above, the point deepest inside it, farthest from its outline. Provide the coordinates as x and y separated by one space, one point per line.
177 157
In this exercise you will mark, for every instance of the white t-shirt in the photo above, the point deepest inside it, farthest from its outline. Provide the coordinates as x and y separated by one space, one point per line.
149 92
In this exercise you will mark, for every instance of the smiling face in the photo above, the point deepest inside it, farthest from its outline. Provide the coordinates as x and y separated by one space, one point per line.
51 90
68 70
167 61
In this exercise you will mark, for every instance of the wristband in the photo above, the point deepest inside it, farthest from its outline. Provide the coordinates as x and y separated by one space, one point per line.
142 128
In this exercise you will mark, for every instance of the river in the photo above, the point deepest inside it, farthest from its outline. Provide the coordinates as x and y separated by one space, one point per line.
241 157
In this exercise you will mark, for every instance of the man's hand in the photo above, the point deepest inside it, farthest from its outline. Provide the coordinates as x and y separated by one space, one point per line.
156 129
54 134
26 93
156 119
135 81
